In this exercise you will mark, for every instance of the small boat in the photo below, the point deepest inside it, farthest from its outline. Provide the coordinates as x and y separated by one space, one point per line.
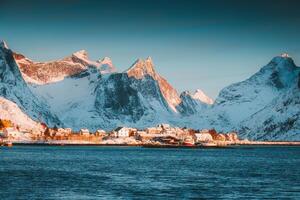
207 144
8 144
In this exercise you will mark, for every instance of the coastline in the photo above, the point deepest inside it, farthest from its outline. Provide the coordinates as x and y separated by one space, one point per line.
226 145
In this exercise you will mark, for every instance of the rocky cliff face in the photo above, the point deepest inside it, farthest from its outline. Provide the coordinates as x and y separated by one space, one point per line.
106 66
49 72
142 68
137 96
194 103
54 71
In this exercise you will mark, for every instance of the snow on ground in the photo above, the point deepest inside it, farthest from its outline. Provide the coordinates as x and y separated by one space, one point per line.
12 112
71 99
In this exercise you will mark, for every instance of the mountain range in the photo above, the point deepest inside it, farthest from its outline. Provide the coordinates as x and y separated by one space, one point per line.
79 93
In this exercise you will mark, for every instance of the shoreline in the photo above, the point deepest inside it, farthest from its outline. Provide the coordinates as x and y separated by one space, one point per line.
220 145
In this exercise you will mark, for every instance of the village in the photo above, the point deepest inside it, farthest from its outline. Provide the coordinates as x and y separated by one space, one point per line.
161 135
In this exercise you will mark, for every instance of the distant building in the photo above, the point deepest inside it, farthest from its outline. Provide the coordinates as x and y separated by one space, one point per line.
122 132
84 132
220 137
203 137
154 130
101 133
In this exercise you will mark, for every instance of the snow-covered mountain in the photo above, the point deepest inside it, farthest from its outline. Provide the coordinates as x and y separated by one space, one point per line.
138 97
79 93
143 69
265 106
194 103
14 88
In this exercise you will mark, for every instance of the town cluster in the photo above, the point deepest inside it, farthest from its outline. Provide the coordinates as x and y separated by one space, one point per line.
163 134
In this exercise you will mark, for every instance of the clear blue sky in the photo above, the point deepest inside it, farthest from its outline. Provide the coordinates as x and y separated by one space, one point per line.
194 44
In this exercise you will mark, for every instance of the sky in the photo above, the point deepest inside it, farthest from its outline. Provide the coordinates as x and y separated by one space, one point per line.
193 44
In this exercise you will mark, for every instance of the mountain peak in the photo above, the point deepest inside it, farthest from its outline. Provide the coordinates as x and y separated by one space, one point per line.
81 54
186 93
149 60
105 60
285 55
201 96
106 66
282 62
141 67
3 44
282 57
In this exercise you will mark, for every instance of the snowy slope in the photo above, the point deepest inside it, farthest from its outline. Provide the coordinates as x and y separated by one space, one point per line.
14 88
11 111
278 121
248 104
72 99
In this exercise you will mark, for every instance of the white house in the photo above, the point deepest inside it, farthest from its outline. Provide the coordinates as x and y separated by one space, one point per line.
203 137
122 132
63 132
84 132
101 133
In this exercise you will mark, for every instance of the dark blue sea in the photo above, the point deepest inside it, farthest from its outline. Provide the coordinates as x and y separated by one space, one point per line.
68 172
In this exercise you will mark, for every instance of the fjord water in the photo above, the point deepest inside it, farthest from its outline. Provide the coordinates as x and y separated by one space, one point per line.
65 172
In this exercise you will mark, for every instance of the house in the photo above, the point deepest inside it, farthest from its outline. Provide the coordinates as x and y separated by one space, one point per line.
68 131
122 132
220 137
100 133
60 132
154 130
84 132
203 137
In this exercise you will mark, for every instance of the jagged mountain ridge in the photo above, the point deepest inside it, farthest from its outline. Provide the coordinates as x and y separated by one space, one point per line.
135 97
53 71
140 97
